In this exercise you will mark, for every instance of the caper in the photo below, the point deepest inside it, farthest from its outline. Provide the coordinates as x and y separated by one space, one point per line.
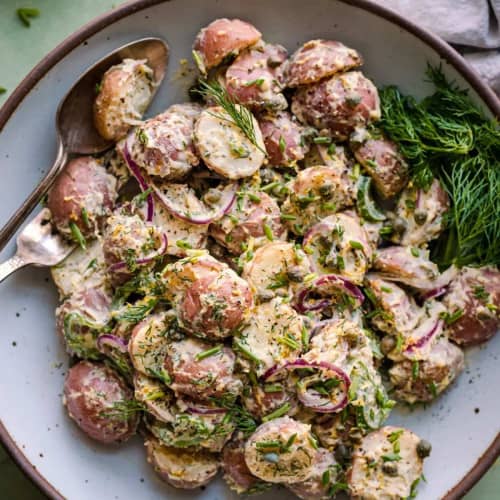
399 225
265 295
387 344
326 190
424 448
212 196
390 468
342 453
295 274
420 216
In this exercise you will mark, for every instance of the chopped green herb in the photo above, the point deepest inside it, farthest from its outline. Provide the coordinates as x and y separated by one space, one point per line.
258 82
209 352
246 352
415 368
273 388
480 293
142 136
282 144
253 197
85 217
3 90
268 232
77 235
415 252
288 217
433 389
322 140
449 319
279 412
391 457
183 244
372 163
386 289
26 14
356 244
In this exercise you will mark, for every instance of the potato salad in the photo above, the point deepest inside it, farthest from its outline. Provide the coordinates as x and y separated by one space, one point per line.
252 289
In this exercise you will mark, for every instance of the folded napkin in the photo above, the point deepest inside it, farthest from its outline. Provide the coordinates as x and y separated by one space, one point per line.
470 25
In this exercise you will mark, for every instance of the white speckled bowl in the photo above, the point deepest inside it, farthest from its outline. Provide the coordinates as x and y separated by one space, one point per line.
463 425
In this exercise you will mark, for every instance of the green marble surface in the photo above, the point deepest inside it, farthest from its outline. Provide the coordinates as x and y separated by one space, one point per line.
58 19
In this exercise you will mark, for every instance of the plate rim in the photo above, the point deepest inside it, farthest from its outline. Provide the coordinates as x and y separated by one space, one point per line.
97 24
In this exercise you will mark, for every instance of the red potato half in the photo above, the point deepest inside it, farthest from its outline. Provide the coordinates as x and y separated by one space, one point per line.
236 473
83 194
254 78
338 104
222 38
321 480
318 59
215 305
197 376
283 138
94 395
422 381
81 319
247 219
163 145
124 95
475 296
385 165
275 465
384 479
186 469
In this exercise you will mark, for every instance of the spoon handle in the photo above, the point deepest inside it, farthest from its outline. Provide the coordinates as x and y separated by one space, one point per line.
10 266
33 199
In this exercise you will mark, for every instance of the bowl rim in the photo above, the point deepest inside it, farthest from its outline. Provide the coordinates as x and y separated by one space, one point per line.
97 24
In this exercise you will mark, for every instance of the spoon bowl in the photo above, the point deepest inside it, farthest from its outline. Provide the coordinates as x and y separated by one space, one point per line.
76 132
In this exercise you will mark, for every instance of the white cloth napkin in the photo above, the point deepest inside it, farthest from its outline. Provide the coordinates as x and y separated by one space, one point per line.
471 24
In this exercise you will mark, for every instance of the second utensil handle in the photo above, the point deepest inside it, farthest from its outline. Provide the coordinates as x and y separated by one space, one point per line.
8 231
10 266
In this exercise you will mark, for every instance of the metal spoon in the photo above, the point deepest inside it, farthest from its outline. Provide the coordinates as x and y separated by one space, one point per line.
76 133
39 245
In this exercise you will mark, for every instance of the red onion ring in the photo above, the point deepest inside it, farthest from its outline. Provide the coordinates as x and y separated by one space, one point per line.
433 294
136 172
145 260
425 339
313 399
339 283
229 197
113 341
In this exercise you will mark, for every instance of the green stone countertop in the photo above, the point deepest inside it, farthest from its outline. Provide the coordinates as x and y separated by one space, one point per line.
20 49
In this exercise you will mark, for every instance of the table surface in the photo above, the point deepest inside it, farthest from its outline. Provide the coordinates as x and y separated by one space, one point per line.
58 19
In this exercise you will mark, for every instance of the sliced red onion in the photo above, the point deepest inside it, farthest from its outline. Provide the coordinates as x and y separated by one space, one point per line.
145 260
225 204
433 294
113 341
311 398
424 340
136 172
204 410
339 282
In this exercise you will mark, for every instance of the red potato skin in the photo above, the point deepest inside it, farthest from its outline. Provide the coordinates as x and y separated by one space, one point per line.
236 472
391 174
91 303
200 379
478 323
254 78
81 179
338 104
318 59
251 220
260 403
91 389
222 38
215 305
278 129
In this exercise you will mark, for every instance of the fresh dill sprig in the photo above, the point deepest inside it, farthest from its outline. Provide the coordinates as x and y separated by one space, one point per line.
239 114
240 416
137 312
446 136
123 410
